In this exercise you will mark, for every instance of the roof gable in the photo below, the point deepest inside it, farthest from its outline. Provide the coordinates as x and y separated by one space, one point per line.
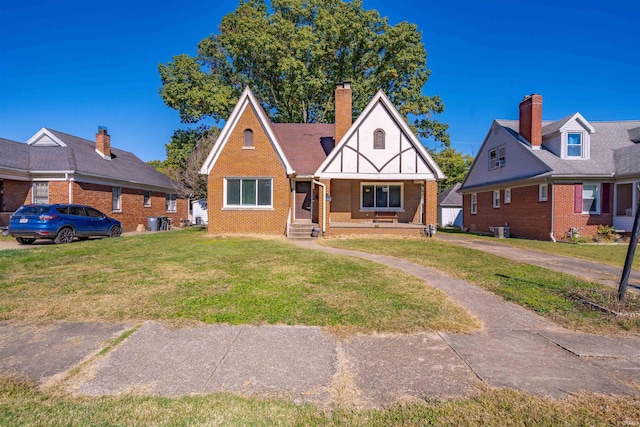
521 162
450 196
45 138
247 100
403 155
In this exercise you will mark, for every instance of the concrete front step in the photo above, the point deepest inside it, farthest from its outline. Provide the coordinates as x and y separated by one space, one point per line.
301 231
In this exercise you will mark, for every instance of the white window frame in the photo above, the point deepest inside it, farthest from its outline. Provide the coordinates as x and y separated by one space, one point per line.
507 196
36 197
581 145
147 199
496 199
241 205
473 208
382 184
116 199
596 199
171 202
543 192
497 157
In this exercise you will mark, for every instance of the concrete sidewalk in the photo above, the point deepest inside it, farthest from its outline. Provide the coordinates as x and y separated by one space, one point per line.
516 349
596 272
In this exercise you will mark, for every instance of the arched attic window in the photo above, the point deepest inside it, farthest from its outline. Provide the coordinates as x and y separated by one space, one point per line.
378 139
248 138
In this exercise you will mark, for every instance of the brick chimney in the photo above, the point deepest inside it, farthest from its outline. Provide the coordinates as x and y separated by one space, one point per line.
103 142
343 109
531 119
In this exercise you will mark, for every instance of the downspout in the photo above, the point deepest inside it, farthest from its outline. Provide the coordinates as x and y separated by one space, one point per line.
66 177
553 199
324 206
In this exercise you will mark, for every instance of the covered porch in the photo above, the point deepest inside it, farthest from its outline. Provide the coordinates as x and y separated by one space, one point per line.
626 198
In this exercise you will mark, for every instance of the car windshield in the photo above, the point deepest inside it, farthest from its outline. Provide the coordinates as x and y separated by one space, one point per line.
32 210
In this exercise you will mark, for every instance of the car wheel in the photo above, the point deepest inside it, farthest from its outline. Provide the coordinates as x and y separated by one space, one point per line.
64 236
25 240
115 231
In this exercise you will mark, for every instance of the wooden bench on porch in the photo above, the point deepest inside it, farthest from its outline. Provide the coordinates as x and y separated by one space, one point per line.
386 217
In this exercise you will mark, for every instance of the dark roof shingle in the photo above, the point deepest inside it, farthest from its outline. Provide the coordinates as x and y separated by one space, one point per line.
306 145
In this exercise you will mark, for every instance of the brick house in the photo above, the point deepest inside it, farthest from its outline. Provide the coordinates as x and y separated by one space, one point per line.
54 167
368 176
550 180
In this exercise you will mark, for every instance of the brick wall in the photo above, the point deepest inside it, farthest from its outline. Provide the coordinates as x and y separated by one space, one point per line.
345 203
133 212
16 193
531 219
58 192
431 202
566 218
260 161
526 216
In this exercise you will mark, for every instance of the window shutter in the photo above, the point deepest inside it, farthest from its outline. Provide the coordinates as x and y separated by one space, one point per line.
577 198
606 198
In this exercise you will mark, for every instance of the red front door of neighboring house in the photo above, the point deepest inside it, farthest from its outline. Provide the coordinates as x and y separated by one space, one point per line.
303 200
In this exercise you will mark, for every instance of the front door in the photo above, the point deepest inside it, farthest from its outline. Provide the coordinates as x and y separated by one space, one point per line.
303 200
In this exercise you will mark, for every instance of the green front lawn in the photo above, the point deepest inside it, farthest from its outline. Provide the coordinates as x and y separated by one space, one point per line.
187 276
548 293
607 253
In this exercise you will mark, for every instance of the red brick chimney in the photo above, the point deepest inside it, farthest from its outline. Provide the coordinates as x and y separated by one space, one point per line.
531 119
343 109
103 142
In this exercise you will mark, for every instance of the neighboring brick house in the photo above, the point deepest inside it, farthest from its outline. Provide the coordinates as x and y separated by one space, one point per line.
53 167
549 180
369 176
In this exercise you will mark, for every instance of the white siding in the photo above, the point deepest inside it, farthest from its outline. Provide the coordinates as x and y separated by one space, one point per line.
519 161
450 216
554 144
200 211
398 160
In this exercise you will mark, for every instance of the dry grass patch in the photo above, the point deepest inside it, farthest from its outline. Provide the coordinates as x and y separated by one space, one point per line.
22 405
188 276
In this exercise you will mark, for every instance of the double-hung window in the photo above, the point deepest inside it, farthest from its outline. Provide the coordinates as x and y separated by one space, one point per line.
40 192
248 192
381 196
496 198
170 202
116 199
147 198
590 198
507 196
574 145
497 157
474 204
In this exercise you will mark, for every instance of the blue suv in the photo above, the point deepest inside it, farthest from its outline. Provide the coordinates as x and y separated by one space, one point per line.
61 223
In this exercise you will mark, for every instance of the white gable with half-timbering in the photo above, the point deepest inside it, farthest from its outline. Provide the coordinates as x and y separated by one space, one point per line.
379 146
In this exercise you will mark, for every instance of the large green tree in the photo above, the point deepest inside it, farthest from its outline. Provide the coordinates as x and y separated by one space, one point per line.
292 52
453 163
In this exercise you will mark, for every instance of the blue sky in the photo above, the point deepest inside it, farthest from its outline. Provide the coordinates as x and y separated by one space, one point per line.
73 66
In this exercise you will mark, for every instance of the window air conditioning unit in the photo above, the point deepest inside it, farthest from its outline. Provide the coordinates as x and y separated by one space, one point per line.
499 163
